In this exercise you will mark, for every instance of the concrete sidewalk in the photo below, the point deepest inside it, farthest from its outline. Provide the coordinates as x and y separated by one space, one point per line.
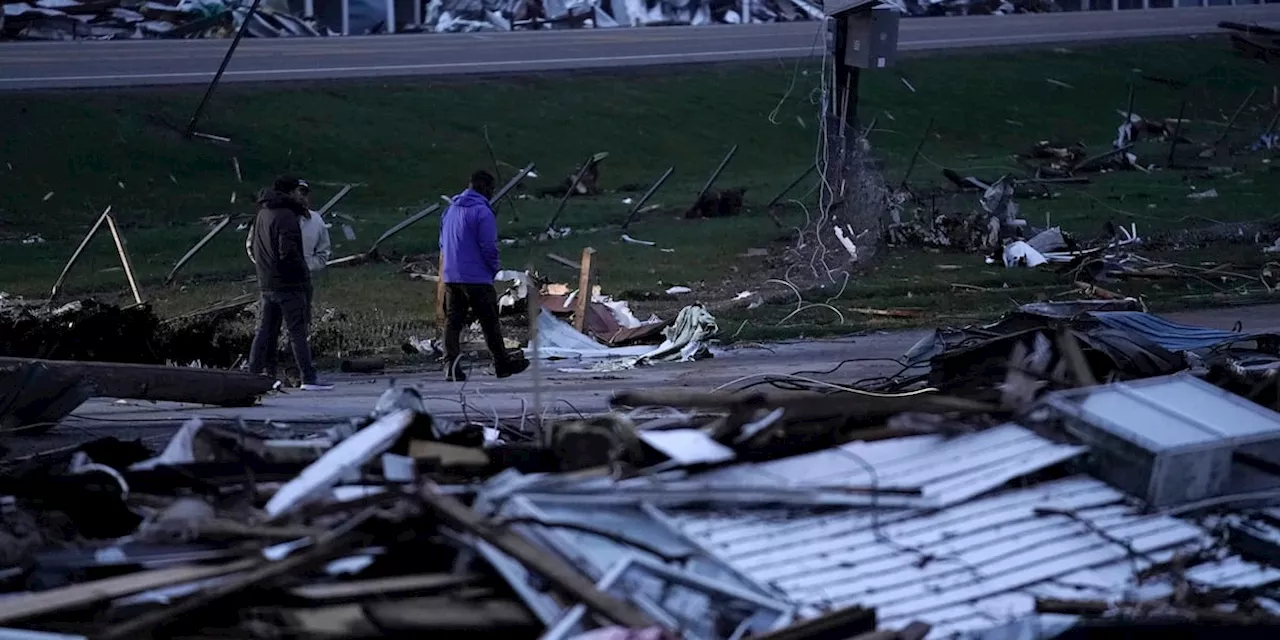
562 392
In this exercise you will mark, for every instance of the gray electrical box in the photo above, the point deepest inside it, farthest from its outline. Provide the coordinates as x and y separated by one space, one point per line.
1173 439
872 38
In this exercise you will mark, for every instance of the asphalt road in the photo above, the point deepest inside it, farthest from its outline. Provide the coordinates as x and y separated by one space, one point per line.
57 65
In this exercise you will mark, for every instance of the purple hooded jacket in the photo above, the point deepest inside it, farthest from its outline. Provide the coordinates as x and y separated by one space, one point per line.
469 240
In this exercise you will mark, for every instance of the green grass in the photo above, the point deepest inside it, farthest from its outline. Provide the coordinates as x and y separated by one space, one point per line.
407 142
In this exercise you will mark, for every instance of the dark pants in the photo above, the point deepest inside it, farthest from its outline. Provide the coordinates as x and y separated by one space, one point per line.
460 300
294 309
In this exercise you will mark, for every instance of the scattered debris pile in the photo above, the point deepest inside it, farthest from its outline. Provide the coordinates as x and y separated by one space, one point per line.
93 331
1256 41
603 329
980 214
464 16
1062 468
117 20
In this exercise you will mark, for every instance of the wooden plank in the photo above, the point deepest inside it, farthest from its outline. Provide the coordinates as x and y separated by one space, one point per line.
87 594
806 405
555 570
161 383
836 625
124 259
398 585
585 283
449 614
325 549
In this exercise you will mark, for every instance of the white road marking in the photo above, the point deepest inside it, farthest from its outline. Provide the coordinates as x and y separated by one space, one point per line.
595 60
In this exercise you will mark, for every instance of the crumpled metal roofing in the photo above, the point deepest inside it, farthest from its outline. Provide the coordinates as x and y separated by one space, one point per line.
1168 334
969 567
970 560
944 471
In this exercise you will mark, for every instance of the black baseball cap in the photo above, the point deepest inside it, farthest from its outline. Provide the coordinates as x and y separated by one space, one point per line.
286 184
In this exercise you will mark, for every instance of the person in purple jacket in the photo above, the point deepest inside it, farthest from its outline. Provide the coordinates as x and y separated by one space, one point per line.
469 246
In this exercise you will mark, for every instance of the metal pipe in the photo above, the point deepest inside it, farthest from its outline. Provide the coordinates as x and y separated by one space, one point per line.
182 262
645 198
511 184
915 155
716 174
222 68
573 186
75 256
333 202
791 186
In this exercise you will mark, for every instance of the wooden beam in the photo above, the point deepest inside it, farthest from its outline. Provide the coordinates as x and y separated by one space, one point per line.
161 383
556 571
124 259
535 311
420 584
585 284
804 404
326 548
85 594
837 625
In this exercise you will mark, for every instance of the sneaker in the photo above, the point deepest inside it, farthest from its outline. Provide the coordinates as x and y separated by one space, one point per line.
510 368
316 386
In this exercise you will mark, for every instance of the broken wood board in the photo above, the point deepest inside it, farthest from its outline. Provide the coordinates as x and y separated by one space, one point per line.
808 405
450 614
161 383
384 587
841 623
447 455
86 594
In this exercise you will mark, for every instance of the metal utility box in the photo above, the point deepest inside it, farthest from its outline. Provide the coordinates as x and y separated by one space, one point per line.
871 38
1174 439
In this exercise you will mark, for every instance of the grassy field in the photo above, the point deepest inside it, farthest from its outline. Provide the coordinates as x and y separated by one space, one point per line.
66 156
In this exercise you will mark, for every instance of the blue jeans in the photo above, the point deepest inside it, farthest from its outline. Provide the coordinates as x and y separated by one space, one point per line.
293 308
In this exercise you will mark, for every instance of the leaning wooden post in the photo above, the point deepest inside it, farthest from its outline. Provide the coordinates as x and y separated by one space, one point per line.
440 320
124 259
534 297
584 290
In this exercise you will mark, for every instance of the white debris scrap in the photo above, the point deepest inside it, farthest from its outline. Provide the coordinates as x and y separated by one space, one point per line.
1021 254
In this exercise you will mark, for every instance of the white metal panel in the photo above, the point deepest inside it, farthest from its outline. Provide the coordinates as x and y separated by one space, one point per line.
946 471
965 567
803 536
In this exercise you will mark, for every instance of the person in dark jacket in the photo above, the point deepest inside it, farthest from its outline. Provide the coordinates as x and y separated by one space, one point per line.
469 247
283 278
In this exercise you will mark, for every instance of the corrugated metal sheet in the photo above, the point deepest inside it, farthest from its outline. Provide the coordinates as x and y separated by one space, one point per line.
960 558
1168 334
968 567
946 471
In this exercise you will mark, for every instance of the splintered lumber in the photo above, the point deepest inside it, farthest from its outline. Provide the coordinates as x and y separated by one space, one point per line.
837 625
85 594
585 273
160 383
556 571
384 587
326 548
807 405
